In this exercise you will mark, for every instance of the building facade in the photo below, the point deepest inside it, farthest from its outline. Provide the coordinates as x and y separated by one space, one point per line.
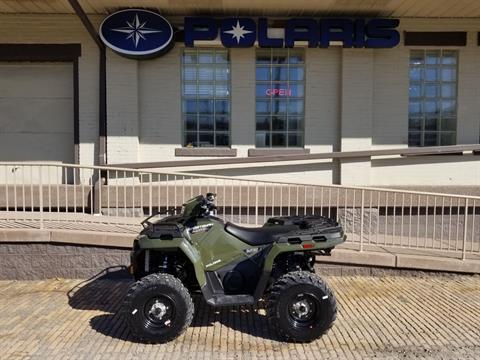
210 101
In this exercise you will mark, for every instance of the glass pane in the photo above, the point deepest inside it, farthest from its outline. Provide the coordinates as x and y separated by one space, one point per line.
449 57
263 123
295 140
205 73
221 90
263 106
432 91
415 124
221 123
205 106
263 90
415 108
191 122
414 139
295 123
279 73
295 107
431 124
431 108
430 139
415 90
432 57
279 56
190 73
263 73
263 56
205 89
190 89
279 123
205 122
222 139
205 57
190 139
449 90
279 140
296 73
206 139
222 73
190 57
449 124
296 90
449 74
416 58
222 106
416 74
448 139
279 106
190 106
431 74
296 56
221 57
262 139
448 108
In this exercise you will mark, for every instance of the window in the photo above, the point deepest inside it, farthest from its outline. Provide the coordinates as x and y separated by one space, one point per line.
280 93
432 98
206 97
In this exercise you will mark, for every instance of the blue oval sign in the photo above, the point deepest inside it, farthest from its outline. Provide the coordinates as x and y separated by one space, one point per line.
136 32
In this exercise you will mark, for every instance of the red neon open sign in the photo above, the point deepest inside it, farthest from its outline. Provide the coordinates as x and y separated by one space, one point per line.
279 92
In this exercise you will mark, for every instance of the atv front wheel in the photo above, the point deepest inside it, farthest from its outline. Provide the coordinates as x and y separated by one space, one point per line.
158 308
301 307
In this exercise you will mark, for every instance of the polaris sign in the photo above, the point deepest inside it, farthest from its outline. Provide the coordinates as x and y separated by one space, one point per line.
142 33
244 32
137 33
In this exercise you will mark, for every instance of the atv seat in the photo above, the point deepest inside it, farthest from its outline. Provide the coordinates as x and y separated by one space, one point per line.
258 236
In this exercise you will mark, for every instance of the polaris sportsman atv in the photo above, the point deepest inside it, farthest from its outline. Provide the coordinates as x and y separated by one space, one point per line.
196 251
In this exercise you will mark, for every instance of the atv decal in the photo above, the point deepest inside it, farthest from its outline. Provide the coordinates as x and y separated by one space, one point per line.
200 228
252 251
213 263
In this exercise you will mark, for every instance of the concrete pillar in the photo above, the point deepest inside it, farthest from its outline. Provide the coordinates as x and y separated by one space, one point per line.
468 111
356 114
122 109
242 66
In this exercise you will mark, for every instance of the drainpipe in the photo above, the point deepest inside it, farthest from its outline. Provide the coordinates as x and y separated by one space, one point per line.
102 96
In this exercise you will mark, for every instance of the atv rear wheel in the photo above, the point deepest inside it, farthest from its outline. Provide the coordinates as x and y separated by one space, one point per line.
301 307
158 308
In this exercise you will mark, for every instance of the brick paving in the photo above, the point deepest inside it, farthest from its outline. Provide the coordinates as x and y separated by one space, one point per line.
433 317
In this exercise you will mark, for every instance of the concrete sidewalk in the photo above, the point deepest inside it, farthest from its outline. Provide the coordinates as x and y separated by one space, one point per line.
379 317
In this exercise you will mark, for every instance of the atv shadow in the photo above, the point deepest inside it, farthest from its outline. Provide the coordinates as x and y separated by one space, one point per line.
106 290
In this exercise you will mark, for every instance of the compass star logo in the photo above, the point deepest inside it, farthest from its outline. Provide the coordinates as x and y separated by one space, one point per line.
136 30
238 32
137 33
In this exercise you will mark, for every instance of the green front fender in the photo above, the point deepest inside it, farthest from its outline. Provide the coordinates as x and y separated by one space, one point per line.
178 244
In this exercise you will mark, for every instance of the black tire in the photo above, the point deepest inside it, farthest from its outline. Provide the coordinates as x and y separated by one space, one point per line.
301 307
158 308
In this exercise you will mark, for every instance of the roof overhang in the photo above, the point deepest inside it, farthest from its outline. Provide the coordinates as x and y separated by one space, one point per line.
320 8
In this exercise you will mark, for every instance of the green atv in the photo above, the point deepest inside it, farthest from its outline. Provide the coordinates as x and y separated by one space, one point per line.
196 251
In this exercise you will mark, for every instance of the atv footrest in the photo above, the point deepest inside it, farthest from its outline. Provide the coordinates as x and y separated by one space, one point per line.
231 300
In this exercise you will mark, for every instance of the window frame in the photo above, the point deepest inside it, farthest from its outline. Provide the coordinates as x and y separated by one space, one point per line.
183 82
422 99
300 131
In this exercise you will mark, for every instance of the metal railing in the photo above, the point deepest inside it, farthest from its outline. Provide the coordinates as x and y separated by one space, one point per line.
44 195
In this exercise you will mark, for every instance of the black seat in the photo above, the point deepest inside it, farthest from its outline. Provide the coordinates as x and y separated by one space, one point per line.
258 236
